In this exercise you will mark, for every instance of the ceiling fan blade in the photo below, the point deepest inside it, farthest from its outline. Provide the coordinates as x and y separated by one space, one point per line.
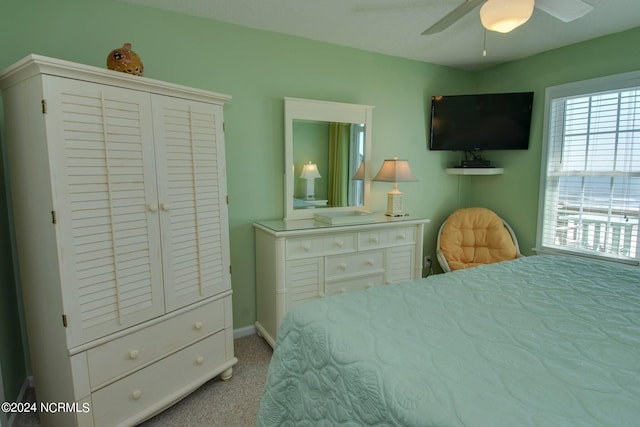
453 16
564 10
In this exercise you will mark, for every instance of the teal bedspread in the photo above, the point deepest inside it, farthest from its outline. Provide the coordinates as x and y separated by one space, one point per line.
538 341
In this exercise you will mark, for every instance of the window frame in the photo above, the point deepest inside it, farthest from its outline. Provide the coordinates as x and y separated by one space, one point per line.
617 82
356 157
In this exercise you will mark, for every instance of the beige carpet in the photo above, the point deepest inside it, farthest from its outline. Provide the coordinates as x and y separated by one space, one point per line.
232 403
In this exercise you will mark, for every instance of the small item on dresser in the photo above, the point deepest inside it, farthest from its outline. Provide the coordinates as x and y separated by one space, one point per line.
125 60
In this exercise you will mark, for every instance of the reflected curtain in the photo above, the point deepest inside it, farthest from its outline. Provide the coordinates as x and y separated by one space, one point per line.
338 180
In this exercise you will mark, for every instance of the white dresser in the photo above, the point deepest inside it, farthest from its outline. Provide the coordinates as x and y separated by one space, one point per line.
119 204
299 260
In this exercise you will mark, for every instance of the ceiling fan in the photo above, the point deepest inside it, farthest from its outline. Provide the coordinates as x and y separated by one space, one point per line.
505 15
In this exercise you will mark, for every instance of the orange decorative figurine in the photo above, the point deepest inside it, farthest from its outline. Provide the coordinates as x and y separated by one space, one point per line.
125 60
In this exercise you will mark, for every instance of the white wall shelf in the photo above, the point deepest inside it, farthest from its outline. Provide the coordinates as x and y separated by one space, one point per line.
475 171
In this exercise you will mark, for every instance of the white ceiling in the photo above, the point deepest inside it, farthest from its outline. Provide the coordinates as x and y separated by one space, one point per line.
394 27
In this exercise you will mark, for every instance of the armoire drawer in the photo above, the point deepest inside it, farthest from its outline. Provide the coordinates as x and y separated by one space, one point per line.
343 286
122 355
360 263
303 247
145 388
385 238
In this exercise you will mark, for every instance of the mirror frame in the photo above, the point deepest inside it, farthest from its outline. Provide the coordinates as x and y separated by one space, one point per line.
324 111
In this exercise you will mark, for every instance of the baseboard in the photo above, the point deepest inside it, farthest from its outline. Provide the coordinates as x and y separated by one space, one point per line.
244 332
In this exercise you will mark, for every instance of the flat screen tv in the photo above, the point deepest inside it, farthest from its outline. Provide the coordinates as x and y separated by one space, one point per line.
499 121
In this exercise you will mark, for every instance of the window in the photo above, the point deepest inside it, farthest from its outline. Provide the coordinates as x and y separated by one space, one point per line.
590 187
356 158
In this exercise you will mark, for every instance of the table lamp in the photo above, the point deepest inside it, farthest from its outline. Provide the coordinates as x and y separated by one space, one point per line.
310 173
395 170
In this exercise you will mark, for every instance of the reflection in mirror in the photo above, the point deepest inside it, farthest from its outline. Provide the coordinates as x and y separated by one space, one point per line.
327 151
334 151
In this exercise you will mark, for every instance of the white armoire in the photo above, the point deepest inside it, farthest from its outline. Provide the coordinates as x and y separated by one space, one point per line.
121 227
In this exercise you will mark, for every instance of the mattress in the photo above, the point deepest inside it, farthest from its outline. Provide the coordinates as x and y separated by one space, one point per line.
537 341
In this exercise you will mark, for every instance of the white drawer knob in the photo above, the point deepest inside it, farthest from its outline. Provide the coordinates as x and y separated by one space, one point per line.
388 282
373 239
153 208
165 206
321 294
342 266
339 243
400 236
343 291
136 394
200 360
133 354
306 247
369 285
370 262
197 326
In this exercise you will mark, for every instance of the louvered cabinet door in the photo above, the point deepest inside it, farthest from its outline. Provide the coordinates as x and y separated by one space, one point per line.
101 138
400 264
192 195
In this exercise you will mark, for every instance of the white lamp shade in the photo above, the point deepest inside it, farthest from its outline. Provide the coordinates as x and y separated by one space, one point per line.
359 175
395 170
310 171
505 15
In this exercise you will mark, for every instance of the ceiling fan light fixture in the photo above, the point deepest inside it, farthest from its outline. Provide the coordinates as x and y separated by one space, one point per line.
504 16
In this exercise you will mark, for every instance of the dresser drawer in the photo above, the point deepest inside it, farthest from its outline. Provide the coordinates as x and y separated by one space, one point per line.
122 355
386 238
361 263
343 286
303 247
148 387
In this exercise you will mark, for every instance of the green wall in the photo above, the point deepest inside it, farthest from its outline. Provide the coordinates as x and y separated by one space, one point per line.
258 69
11 344
312 145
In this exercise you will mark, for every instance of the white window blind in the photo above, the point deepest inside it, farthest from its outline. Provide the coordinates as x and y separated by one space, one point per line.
590 192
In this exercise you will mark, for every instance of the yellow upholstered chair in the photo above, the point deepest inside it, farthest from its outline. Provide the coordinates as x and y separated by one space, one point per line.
475 236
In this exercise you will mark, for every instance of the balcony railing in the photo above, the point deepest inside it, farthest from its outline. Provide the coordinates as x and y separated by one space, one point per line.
614 233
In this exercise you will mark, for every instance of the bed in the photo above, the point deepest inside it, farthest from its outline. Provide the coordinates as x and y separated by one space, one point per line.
537 341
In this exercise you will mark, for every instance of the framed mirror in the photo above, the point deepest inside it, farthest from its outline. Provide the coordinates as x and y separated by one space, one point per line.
327 157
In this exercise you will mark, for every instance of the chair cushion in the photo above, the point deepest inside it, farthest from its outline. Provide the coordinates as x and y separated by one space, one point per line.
475 236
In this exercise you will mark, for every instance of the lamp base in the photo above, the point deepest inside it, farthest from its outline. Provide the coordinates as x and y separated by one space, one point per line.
394 204
310 194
